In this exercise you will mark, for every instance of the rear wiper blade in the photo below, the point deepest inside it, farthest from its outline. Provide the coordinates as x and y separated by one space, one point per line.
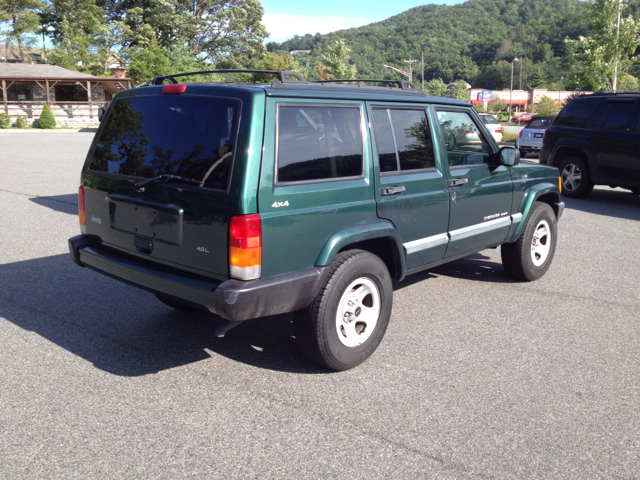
140 185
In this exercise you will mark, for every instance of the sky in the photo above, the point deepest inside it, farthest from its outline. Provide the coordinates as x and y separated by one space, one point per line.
286 18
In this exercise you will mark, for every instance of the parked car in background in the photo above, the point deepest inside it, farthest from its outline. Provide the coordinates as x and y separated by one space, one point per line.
493 125
595 140
530 137
522 117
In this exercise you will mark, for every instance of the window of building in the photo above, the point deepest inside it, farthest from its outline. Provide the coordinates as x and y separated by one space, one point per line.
70 93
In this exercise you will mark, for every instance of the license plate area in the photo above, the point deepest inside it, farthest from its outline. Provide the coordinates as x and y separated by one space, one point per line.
538 135
160 222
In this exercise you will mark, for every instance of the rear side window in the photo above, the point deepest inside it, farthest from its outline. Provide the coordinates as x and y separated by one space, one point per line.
318 143
613 116
576 112
191 137
403 140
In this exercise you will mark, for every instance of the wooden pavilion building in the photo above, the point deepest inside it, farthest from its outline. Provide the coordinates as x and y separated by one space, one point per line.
74 98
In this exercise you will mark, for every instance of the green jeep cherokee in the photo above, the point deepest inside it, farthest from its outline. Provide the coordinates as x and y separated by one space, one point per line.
250 200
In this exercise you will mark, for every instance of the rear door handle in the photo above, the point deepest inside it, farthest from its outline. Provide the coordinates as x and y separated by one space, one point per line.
391 190
456 182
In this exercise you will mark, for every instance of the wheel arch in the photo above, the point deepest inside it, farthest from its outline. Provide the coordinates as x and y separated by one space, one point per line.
546 193
571 151
379 238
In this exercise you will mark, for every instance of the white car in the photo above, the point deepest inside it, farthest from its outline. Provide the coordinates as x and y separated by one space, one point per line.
493 125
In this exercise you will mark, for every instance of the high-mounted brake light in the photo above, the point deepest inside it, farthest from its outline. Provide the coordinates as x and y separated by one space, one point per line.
245 246
81 215
173 88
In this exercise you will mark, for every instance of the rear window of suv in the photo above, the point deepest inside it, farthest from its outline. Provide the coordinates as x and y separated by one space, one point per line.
577 111
191 137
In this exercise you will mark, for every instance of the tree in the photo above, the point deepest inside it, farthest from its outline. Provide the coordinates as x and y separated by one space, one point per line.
496 105
22 20
460 90
546 106
537 79
336 61
608 53
46 119
274 61
436 87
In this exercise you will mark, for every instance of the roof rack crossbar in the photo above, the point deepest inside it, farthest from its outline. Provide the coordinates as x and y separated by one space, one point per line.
403 84
283 76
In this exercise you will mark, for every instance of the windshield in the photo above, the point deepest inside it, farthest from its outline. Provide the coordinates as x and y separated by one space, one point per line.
191 137
540 123
489 119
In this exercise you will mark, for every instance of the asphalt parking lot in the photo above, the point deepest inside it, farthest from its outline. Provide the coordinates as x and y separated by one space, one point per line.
478 376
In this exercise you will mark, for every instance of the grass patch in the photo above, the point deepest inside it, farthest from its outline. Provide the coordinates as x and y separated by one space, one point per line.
509 137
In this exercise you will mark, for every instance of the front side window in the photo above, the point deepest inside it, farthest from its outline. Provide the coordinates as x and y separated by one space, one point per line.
319 143
403 140
191 137
464 143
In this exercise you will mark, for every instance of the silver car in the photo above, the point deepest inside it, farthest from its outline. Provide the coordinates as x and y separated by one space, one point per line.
530 137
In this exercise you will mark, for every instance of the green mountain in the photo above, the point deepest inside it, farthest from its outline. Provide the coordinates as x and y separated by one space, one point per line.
475 41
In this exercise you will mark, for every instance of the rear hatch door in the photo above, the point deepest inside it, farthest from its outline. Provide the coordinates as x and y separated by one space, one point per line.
188 144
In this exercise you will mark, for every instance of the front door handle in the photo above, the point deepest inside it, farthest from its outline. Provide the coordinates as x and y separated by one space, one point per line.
456 182
391 190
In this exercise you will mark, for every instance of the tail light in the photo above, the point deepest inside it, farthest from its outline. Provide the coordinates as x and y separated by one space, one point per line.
468 132
245 247
544 137
520 134
499 130
81 215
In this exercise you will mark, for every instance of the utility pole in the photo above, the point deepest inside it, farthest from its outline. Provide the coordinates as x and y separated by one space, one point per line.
410 62
615 68
422 66
521 62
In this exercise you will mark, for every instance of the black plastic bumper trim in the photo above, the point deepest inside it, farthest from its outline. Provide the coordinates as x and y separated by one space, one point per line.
233 300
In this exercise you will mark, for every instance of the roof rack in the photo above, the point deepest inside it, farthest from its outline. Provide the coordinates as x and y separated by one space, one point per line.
617 92
403 84
283 76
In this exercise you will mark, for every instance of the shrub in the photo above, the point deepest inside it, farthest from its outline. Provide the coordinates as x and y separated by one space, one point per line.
46 118
5 120
503 117
509 137
21 122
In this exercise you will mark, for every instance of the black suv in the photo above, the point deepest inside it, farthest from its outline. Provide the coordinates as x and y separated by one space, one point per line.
595 140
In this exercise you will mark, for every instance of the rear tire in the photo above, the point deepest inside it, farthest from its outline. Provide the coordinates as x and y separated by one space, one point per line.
183 307
576 181
529 257
345 323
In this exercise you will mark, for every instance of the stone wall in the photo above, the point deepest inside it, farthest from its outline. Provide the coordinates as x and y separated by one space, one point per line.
76 115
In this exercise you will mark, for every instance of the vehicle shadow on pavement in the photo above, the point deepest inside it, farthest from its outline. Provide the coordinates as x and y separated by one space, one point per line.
128 332
476 267
612 203
59 203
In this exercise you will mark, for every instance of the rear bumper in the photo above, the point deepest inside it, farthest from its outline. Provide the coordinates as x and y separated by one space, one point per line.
233 300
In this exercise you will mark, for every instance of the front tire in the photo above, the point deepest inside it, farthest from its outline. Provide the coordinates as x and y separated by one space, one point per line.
345 323
529 257
576 182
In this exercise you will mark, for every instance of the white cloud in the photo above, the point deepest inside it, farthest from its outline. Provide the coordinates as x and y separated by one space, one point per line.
283 26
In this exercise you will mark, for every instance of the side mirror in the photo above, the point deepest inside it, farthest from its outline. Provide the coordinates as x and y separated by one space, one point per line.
509 156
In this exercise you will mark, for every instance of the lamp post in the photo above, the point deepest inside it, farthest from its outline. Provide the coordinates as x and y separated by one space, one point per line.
511 88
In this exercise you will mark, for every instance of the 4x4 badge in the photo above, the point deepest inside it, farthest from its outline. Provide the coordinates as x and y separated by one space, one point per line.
280 204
